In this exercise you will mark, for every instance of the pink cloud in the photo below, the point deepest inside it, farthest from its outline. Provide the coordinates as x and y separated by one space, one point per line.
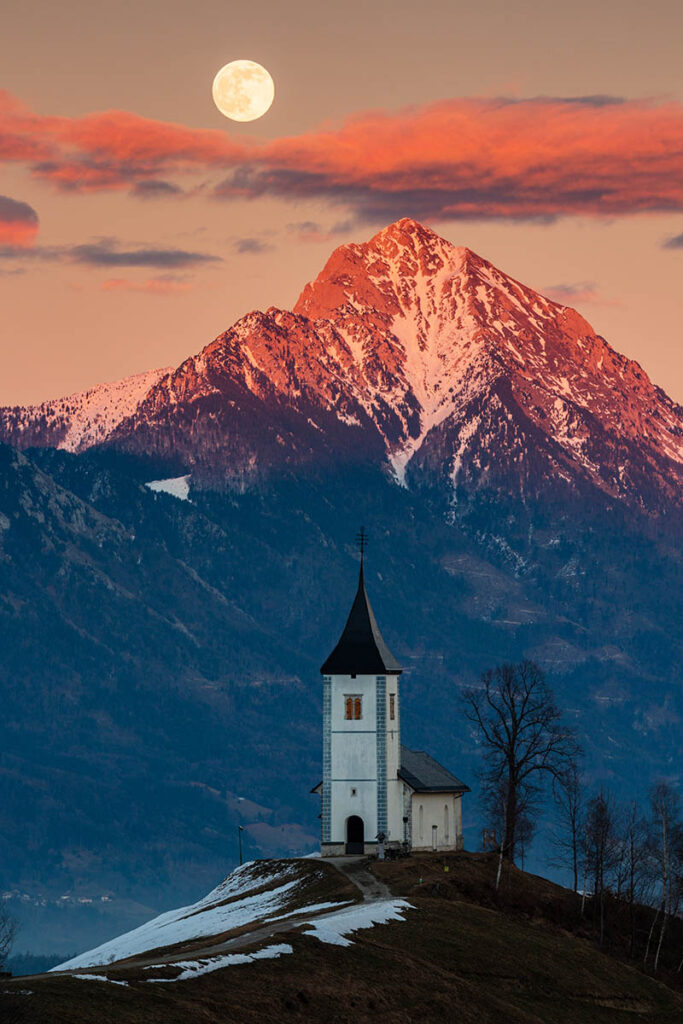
459 158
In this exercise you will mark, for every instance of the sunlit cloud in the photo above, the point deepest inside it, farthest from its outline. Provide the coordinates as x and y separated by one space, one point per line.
476 158
466 158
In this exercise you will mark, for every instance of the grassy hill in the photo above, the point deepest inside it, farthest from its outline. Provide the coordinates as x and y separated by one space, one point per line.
462 952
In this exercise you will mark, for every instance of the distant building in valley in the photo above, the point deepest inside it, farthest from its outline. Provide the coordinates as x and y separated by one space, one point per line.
372 786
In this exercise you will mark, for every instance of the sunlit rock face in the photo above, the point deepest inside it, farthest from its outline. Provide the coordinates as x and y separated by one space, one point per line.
409 351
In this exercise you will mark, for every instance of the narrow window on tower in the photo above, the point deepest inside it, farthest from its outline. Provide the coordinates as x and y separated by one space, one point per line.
353 706
392 706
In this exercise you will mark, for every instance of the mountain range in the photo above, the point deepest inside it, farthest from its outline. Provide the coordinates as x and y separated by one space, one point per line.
405 349
521 482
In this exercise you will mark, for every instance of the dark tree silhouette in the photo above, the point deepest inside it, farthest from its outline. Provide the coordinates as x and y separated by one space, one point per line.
666 842
568 836
524 740
603 851
7 933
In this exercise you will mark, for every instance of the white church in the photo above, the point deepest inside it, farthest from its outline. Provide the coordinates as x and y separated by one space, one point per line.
374 789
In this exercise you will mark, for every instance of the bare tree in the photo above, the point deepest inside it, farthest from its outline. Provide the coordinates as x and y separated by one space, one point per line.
523 737
665 804
603 851
494 799
638 875
8 929
567 837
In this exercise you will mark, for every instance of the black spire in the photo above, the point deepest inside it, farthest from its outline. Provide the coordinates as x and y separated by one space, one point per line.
361 649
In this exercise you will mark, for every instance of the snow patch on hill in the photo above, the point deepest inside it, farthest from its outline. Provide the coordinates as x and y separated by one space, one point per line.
333 928
255 896
246 896
249 896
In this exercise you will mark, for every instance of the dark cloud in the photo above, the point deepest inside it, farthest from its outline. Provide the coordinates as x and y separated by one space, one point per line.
305 227
155 189
312 231
32 254
584 101
253 245
106 253
579 291
340 227
377 204
18 222
675 242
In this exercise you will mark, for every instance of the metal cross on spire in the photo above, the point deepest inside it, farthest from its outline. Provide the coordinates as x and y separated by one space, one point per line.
362 541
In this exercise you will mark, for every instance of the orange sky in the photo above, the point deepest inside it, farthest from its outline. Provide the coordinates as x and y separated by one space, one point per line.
136 222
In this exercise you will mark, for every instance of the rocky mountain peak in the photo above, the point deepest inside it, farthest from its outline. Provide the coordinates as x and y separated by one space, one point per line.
448 367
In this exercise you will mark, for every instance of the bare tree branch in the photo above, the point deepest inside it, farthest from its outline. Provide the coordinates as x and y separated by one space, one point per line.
524 741
8 930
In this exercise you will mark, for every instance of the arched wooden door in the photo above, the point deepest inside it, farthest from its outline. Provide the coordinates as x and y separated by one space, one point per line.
355 835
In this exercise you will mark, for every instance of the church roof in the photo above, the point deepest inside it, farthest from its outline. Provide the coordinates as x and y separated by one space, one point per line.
361 649
425 775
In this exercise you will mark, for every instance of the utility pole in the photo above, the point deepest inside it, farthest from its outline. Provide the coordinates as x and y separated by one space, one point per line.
240 830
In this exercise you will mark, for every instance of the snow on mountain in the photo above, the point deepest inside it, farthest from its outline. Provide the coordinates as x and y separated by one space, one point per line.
177 487
409 350
80 420
449 326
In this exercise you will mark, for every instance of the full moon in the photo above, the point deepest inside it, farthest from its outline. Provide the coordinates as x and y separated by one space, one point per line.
243 90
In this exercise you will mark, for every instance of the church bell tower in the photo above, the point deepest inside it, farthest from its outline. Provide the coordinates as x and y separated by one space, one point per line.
362 795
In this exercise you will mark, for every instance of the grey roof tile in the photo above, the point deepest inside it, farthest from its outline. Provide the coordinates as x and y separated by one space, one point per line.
425 775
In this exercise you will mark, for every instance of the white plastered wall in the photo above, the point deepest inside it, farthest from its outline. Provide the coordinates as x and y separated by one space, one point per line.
353 757
443 810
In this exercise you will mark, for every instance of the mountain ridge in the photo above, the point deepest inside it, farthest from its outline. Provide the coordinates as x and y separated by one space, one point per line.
80 420
413 352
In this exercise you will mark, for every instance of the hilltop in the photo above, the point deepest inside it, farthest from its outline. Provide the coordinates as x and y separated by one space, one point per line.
294 940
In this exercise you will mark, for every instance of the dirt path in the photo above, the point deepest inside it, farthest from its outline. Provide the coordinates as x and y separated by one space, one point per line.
356 870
